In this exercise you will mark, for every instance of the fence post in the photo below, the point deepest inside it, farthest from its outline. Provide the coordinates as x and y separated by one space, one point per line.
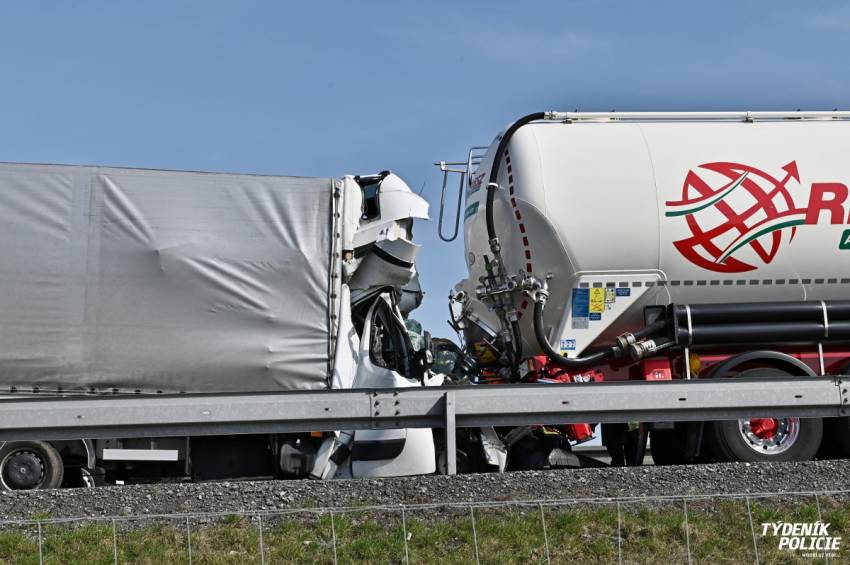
820 519
404 535
189 540
40 543
619 537
545 535
687 532
474 535
752 529
114 543
333 537
262 546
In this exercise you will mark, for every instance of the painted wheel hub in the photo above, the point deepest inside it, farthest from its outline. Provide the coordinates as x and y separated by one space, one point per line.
764 428
770 436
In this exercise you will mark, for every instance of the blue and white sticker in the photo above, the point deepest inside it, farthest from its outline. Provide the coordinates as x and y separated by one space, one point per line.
624 292
581 302
580 308
568 345
596 316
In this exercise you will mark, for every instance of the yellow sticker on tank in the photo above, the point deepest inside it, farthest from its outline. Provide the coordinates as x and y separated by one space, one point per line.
597 299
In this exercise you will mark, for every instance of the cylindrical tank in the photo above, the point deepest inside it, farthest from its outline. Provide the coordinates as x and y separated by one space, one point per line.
623 213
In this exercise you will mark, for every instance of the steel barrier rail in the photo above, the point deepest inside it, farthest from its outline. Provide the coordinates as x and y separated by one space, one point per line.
137 415
117 416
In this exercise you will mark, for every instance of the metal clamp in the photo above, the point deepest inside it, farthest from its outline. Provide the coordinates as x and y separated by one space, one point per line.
825 319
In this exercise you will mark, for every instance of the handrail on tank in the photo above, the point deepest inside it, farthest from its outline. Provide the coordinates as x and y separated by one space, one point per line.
473 159
745 116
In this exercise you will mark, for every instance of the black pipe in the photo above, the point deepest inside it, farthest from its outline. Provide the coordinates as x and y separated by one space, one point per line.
557 357
493 183
763 332
746 312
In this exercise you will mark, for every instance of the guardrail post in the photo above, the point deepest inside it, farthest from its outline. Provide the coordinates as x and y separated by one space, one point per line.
451 436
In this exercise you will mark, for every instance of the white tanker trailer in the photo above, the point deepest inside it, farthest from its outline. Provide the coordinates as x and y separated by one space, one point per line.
613 246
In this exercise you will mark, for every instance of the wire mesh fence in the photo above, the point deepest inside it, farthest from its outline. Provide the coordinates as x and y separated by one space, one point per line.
745 528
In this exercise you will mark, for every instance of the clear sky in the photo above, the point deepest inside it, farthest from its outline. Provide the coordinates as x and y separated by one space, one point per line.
329 88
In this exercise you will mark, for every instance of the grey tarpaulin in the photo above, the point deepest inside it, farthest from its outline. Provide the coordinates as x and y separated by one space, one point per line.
161 280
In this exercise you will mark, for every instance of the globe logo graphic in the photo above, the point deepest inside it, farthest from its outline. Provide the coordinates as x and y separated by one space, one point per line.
738 215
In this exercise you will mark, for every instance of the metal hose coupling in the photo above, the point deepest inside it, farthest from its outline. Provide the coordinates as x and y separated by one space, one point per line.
647 347
538 295
624 343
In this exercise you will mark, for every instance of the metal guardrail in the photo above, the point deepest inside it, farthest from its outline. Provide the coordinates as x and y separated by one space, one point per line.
75 417
72 417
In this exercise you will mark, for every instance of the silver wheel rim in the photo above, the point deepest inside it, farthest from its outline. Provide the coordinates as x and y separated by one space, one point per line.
784 437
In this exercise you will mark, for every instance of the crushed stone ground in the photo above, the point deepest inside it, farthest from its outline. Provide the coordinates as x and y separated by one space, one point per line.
252 496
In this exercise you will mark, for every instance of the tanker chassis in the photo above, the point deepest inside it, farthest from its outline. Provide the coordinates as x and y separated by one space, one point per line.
656 247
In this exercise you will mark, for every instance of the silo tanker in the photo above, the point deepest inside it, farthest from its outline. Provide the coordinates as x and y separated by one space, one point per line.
659 246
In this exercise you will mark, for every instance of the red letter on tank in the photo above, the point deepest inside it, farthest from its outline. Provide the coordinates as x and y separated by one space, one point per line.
828 197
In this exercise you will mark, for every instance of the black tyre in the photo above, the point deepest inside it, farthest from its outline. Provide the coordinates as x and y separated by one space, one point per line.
668 446
28 465
765 439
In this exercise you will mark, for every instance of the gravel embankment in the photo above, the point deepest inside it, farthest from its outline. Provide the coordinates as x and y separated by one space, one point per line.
563 484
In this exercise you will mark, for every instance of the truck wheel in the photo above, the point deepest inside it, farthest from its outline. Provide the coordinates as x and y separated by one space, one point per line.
765 439
27 465
667 446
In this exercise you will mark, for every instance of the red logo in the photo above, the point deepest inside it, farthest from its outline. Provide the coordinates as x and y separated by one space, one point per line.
762 216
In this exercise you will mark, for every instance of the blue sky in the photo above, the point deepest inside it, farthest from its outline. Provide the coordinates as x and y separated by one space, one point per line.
329 88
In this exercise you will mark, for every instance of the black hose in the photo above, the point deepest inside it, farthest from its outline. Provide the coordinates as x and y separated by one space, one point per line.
492 188
652 328
493 183
518 340
554 355
488 212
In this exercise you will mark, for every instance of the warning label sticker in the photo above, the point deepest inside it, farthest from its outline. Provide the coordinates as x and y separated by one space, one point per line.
597 300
